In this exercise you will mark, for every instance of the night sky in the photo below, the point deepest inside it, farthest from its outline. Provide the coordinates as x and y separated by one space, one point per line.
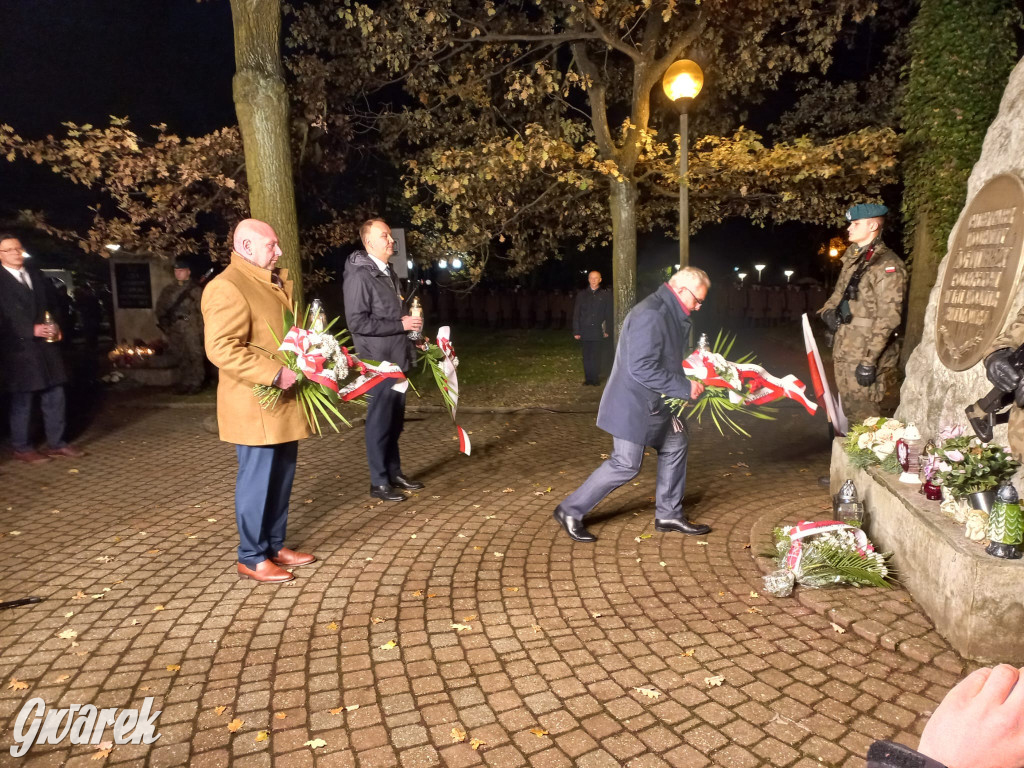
172 61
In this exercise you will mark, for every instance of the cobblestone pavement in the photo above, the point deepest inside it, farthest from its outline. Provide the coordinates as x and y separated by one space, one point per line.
132 548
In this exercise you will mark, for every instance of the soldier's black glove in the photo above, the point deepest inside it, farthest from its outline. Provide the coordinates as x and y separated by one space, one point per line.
885 754
831 319
865 374
1000 372
1018 395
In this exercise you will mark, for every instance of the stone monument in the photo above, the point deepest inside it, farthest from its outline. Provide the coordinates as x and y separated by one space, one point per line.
977 290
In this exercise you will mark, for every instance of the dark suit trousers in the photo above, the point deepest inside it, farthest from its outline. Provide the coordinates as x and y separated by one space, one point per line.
385 420
262 491
592 361
51 402
623 465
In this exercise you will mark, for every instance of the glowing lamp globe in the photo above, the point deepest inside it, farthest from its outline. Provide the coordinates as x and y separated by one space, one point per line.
683 80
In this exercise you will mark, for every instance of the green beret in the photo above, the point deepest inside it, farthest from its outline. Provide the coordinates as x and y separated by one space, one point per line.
866 211
182 264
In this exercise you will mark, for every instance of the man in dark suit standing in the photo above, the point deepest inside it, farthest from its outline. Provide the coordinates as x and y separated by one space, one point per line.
591 325
653 343
374 312
29 356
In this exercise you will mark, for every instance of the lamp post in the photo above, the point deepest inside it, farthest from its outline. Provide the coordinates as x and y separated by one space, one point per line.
682 82
788 273
742 276
759 267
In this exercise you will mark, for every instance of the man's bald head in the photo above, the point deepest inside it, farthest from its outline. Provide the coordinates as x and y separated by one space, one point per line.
256 242
594 279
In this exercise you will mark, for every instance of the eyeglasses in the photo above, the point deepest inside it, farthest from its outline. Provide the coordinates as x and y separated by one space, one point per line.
700 302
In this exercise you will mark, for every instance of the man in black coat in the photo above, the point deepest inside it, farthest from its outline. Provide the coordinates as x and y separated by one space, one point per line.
373 311
29 358
653 343
591 325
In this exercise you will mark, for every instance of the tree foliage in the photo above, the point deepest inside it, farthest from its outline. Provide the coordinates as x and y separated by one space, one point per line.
962 52
529 125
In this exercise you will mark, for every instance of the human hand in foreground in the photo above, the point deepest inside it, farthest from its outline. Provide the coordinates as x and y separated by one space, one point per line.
286 378
46 330
980 723
411 323
696 389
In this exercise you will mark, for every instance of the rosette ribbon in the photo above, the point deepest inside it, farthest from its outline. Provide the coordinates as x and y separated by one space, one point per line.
298 341
804 529
761 387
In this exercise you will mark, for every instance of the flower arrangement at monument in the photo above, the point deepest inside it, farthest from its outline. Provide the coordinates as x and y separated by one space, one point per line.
873 441
827 553
441 360
732 388
965 465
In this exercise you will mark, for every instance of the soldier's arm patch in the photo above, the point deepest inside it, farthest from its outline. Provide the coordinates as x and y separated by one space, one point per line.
890 269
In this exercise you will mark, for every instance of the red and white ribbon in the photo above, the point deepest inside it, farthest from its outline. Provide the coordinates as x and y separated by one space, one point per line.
803 529
762 386
449 364
370 376
298 341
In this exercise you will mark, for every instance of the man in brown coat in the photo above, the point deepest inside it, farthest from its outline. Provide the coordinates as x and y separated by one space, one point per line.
240 306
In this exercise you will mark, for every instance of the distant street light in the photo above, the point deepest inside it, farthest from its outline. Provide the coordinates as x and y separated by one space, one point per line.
456 263
409 263
682 82
788 273
833 252
759 267
112 247
742 276
443 264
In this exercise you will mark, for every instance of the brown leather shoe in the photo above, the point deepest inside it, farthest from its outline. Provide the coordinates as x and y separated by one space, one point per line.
31 457
288 558
266 571
68 450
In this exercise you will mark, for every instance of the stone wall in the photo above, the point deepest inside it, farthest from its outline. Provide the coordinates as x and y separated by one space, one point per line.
932 395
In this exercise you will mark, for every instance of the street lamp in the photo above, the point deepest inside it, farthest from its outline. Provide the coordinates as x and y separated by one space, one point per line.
443 264
759 267
742 276
456 263
788 273
682 82
112 247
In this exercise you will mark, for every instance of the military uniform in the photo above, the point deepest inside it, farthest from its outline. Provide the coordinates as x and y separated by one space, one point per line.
181 318
868 338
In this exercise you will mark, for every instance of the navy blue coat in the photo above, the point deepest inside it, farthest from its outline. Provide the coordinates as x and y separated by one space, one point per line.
28 363
653 343
373 312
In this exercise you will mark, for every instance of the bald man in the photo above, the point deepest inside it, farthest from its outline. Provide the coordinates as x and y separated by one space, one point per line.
240 307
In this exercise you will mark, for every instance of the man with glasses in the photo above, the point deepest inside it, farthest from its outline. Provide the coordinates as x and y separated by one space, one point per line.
653 343
29 358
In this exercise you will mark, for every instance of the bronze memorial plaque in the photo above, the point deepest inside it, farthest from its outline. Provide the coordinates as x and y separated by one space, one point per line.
981 276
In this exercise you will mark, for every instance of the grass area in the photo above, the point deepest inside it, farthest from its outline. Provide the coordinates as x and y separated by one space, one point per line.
513 368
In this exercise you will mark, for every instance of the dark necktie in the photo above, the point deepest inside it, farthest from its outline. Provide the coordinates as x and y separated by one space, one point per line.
394 281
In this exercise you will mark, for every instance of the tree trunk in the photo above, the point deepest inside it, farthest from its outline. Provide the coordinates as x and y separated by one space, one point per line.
622 201
925 266
261 103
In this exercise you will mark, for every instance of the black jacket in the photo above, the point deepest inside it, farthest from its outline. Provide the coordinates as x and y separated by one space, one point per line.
373 311
592 309
27 363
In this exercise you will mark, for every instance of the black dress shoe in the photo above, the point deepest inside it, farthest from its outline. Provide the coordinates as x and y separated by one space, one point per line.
681 526
401 481
575 528
386 493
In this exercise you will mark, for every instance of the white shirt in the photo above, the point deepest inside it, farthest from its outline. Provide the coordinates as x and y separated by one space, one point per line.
381 265
18 274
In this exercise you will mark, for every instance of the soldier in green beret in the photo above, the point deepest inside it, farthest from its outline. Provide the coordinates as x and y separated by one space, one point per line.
864 311
179 316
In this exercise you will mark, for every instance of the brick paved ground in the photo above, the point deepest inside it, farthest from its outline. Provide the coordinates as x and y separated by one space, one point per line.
133 549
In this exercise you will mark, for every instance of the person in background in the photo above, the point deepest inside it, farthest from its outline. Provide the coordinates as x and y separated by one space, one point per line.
30 357
180 316
591 325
